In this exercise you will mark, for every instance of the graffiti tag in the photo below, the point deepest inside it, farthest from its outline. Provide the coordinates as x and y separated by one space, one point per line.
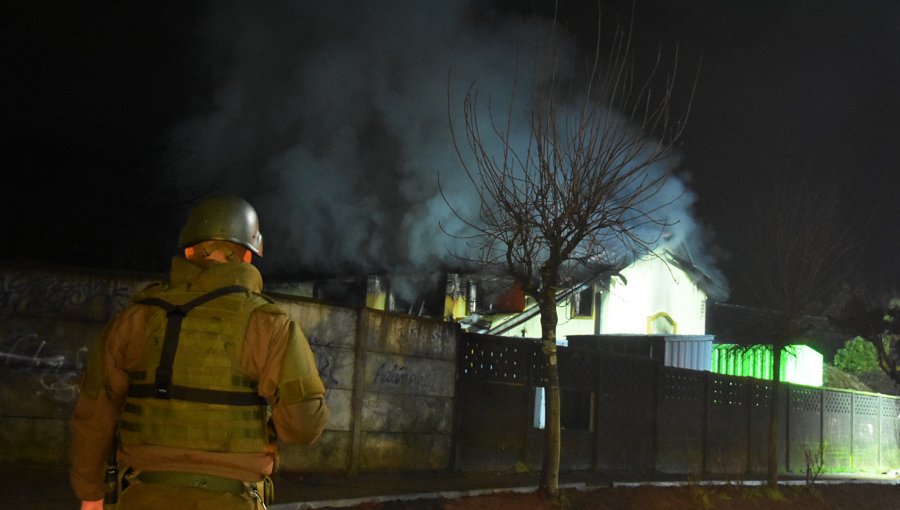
397 375
57 374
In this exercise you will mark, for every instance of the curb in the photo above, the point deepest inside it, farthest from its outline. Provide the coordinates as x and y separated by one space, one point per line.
351 502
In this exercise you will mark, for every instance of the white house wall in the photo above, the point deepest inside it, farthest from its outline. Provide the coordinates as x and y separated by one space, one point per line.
565 326
653 287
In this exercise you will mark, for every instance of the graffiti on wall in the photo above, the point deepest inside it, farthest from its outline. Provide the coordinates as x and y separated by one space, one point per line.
326 361
56 372
45 293
397 375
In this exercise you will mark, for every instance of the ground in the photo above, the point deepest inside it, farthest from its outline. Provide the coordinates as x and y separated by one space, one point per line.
851 496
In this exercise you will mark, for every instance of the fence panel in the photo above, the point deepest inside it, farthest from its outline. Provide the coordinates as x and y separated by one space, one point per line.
804 427
837 431
865 432
681 415
494 403
889 446
578 400
626 414
727 448
760 405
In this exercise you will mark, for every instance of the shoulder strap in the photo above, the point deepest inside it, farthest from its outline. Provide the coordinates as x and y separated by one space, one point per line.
175 314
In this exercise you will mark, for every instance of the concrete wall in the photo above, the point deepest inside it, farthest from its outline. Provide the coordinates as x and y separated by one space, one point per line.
390 378
390 381
49 319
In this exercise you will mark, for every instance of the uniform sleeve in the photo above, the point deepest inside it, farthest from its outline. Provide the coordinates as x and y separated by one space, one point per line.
290 380
93 423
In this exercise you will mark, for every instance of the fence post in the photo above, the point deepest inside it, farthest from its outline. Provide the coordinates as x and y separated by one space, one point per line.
788 394
822 426
657 387
878 434
529 390
359 383
704 440
751 396
852 430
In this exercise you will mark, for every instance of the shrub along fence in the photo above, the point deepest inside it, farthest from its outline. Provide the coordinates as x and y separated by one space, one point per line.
627 414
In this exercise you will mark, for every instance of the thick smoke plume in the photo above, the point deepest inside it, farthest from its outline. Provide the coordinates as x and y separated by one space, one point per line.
332 119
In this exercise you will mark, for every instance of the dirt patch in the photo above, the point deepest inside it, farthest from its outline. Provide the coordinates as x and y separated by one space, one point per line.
819 497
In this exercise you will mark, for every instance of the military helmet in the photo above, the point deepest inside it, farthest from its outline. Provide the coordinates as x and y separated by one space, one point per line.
225 219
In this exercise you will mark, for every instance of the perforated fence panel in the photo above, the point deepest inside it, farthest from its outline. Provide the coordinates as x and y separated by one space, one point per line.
633 415
866 431
494 402
728 426
890 434
760 409
626 414
682 415
837 423
804 427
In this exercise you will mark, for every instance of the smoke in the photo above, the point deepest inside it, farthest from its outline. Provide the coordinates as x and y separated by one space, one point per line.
332 119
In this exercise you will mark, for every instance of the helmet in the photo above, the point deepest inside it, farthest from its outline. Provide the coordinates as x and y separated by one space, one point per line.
225 219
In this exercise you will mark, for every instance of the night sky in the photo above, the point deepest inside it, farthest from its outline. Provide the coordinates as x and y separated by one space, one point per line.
117 117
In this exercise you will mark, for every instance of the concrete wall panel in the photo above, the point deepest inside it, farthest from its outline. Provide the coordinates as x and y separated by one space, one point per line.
838 431
336 365
327 455
682 398
411 336
386 452
727 425
391 373
865 432
804 427
35 291
29 440
403 413
323 325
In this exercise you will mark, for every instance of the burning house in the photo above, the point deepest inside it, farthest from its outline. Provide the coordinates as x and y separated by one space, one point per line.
655 307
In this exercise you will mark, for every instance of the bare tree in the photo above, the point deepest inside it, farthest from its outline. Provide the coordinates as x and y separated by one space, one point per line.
798 246
580 194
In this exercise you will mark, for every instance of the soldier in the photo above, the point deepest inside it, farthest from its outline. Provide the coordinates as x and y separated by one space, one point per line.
189 380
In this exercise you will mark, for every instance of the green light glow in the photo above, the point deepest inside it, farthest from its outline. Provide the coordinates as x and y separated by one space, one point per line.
800 364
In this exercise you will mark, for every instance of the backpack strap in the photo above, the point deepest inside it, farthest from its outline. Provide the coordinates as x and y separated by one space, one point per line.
163 388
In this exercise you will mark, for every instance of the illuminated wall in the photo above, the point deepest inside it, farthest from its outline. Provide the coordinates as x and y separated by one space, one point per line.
658 299
657 296
568 323
800 364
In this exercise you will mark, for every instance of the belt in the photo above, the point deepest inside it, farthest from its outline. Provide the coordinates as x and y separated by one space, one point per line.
196 480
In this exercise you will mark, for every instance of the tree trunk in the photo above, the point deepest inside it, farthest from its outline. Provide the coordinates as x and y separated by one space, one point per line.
774 408
550 466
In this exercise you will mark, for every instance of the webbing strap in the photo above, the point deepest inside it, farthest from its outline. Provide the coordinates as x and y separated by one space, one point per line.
175 315
232 398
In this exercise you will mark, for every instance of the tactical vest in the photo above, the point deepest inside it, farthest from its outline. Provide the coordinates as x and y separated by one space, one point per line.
191 391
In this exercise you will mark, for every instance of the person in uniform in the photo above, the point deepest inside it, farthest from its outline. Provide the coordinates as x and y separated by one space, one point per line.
194 384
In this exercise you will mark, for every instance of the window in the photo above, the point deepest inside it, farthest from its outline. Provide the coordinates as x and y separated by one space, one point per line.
576 409
583 302
661 324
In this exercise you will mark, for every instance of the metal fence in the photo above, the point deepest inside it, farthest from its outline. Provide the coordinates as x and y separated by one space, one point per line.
629 414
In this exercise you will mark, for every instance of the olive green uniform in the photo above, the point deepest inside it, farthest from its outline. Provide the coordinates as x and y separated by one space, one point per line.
238 347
